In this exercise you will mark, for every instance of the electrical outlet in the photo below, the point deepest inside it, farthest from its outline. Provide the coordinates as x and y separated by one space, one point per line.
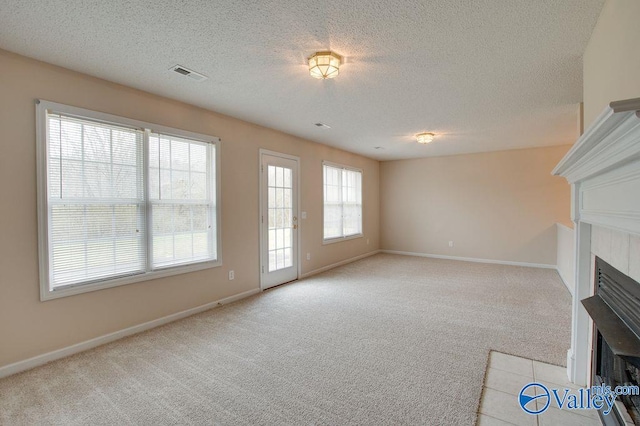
308 256
303 215
450 243
232 275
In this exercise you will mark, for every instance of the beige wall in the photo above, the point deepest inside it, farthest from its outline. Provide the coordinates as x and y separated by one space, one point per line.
29 327
612 58
500 205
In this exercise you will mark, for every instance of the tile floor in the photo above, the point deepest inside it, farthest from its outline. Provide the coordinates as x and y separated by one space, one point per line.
506 375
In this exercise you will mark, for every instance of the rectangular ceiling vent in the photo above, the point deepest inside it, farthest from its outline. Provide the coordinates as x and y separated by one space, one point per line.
196 76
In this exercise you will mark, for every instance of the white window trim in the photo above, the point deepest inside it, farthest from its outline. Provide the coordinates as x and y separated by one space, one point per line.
341 239
42 107
334 240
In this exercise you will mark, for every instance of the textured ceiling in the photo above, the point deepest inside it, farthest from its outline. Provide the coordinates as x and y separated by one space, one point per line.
483 75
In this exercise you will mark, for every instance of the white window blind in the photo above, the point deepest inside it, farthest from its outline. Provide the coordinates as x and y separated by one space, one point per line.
182 196
96 201
342 202
121 202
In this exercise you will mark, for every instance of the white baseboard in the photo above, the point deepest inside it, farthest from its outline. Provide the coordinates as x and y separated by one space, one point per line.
36 361
335 265
471 259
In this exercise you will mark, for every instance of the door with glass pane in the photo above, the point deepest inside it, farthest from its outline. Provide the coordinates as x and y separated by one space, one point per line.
279 219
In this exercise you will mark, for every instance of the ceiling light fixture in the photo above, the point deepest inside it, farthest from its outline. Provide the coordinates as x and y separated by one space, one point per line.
424 138
323 65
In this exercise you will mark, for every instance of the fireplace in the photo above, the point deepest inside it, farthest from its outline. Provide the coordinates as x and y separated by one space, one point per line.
615 310
603 168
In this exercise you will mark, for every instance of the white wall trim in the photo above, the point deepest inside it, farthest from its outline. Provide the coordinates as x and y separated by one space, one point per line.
39 360
565 253
472 259
335 265
562 225
565 282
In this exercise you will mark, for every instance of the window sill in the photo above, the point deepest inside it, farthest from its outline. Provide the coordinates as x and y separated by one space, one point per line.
341 239
101 285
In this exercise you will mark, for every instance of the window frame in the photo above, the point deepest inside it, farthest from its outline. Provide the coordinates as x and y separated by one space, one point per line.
334 240
46 293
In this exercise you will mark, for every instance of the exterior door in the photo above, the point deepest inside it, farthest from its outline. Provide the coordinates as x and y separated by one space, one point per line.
278 219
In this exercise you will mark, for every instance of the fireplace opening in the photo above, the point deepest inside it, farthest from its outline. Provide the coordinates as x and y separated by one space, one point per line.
615 310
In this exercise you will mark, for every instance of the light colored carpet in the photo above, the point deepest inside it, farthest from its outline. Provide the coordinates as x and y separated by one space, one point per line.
386 340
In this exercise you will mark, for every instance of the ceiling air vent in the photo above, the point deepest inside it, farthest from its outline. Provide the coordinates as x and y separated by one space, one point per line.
196 76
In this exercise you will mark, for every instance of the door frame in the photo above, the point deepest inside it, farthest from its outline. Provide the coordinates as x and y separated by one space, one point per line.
261 225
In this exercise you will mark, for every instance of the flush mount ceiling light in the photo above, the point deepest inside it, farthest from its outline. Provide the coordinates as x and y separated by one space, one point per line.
323 65
424 138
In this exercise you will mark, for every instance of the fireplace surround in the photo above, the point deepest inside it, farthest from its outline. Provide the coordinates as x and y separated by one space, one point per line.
603 168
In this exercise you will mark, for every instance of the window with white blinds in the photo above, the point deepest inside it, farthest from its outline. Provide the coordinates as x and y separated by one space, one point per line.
182 194
120 202
342 202
96 201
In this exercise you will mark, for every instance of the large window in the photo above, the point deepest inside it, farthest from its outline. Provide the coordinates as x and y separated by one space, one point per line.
121 201
342 202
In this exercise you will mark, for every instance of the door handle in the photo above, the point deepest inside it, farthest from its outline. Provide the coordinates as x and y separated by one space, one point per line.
295 226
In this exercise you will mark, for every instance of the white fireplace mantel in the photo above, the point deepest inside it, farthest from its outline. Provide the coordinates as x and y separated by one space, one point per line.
603 168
